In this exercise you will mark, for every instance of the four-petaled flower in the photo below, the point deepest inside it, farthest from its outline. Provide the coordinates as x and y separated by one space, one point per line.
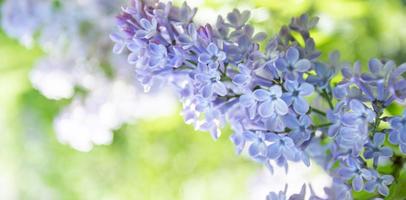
359 113
282 147
148 28
379 182
271 101
295 95
356 173
375 149
397 134
300 128
243 77
210 82
212 57
258 147
292 65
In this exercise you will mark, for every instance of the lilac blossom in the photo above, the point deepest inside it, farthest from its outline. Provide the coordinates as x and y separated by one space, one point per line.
397 134
375 148
379 183
295 95
292 65
356 173
223 77
271 102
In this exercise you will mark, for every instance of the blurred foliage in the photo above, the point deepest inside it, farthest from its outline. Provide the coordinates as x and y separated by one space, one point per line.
163 158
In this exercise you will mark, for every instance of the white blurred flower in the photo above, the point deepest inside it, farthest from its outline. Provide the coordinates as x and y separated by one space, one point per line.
73 35
53 79
263 182
92 120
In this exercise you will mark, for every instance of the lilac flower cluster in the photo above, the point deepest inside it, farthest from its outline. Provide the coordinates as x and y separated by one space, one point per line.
271 97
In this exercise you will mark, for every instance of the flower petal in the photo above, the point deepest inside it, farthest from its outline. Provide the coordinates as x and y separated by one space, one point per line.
219 88
300 105
207 91
266 109
305 89
212 49
379 138
261 95
274 151
292 55
275 90
357 183
302 65
280 107
204 58
240 79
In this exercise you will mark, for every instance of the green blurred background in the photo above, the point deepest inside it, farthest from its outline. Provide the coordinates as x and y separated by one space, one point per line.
164 158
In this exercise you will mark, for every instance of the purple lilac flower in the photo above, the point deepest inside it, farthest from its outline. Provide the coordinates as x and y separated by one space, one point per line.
379 183
223 76
375 148
295 95
243 78
397 134
300 128
356 173
271 102
258 148
292 65
213 57
209 82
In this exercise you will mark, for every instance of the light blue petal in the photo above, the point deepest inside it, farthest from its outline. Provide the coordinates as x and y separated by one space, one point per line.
403 148
275 90
219 88
240 79
207 91
386 152
246 100
300 105
289 153
132 58
287 97
303 65
145 24
280 107
305 89
394 137
253 150
387 179
291 85
212 49
357 106
281 64
346 173
370 186
118 48
221 56
266 109
261 95
374 65
357 183
291 121
274 151
383 189
379 138
204 58
402 135
292 55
